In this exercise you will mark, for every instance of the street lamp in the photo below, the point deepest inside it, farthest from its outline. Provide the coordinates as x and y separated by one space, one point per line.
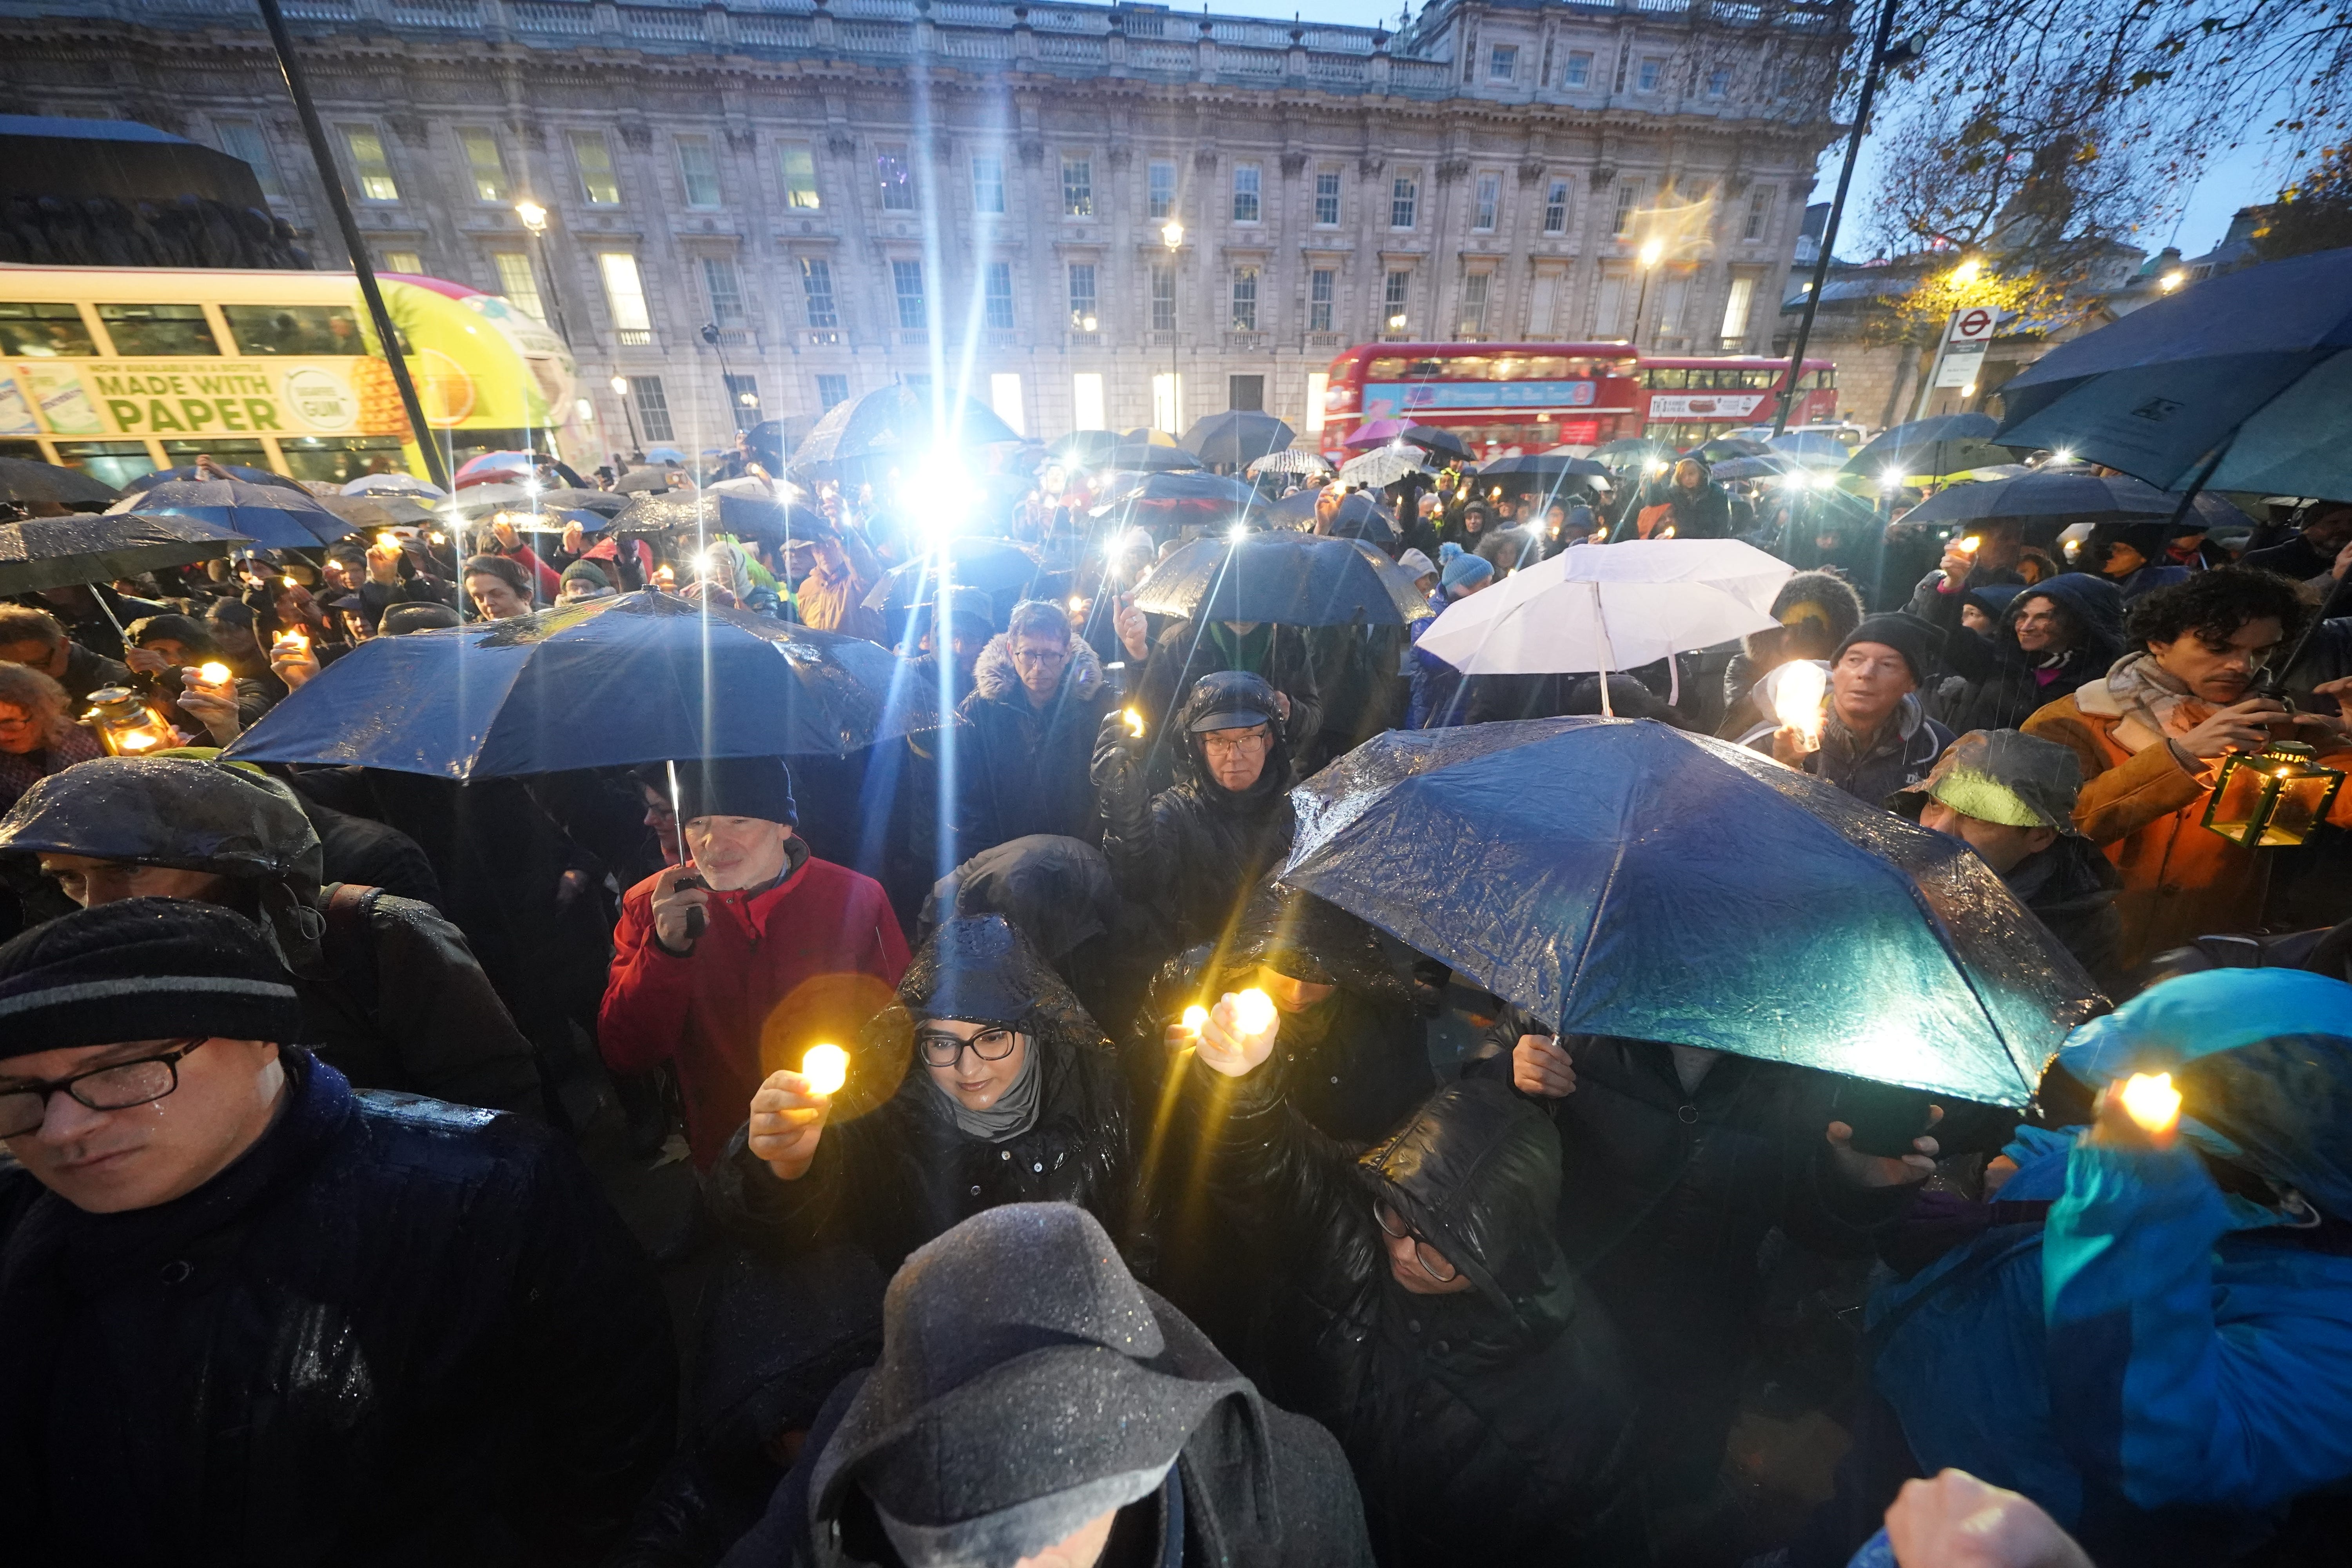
620 385
1173 233
1653 251
1967 272
2172 280
534 222
726 375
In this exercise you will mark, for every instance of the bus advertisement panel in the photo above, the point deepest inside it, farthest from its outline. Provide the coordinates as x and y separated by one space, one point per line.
127 370
1691 400
1498 397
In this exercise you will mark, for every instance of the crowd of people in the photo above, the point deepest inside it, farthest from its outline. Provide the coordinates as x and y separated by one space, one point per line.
1061 1188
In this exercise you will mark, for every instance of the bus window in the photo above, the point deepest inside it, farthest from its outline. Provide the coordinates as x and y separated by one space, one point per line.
149 330
319 329
115 463
1389 369
1423 370
43 330
1470 367
1507 368
28 451
342 458
1665 380
244 454
1548 367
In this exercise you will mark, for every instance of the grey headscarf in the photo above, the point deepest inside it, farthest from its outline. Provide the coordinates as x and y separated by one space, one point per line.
979 984
1015 1111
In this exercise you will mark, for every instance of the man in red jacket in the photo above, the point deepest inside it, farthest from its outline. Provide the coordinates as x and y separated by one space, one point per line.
734 965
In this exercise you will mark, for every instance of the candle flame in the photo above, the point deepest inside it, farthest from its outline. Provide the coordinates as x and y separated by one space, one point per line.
826 1068
1134 723
212 672
2152 1101
136 740
1797 699
1254 1011
1970 545
1196 1018
288 581
387 541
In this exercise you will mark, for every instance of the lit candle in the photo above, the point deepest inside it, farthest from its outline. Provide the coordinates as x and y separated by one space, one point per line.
2152 1101
288 581
1969 545
212 673
826 1068
1134 723
1196 1018
1254 1011
1797 699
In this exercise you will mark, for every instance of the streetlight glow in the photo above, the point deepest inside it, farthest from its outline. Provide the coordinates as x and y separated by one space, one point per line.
2172 280
620 385
1653 250
1173 233
1968 272
533 215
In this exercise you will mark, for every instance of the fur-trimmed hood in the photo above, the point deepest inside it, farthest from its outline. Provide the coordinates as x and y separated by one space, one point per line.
995 678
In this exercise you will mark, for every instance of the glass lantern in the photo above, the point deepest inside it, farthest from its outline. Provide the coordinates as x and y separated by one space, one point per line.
125 725
2272 797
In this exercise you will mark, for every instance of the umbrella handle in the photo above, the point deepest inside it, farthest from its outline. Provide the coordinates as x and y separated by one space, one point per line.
108 611
677 816
1608 652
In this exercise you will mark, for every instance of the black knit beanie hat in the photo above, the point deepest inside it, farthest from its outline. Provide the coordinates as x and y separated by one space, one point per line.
142 969
759 787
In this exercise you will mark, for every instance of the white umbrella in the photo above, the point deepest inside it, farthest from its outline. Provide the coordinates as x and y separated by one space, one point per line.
1603 607
1382 467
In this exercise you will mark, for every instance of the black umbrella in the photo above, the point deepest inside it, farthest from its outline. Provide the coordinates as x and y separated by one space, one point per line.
1428 437
1619 877
219 472
642 481
1634 452
2067 492
1723 448
52 552
26 483
993 566
899 424
1290 579
1190 497
1151 452
1082 448
1544 466
1947 443
1238 437
688 512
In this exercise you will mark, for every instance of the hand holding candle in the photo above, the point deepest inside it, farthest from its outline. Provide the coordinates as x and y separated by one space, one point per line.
2143 1112
826 1068
1186 1033
1798 691
1239 1032
1134 723
788 1112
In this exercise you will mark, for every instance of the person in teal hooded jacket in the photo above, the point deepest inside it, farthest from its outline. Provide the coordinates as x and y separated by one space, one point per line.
2152 1338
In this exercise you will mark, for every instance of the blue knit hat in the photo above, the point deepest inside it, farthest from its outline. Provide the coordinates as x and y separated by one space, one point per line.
1465 571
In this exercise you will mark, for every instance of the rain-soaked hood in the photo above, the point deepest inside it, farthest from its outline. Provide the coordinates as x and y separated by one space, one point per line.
2263 1059
197 816
1215 693
1476 1171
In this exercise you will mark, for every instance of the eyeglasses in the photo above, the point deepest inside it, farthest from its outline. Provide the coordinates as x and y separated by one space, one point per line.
1433 1262
1040 655
1224 746
118 1086
942 1049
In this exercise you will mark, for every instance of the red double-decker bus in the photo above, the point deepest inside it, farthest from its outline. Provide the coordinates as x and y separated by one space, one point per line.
1686 400
1495 396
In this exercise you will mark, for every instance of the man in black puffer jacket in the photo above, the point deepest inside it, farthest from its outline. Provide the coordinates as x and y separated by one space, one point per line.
1038 698
1429 1318
1190 853
260 1319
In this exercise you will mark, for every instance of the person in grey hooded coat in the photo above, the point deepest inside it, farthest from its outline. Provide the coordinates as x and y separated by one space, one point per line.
1032 1401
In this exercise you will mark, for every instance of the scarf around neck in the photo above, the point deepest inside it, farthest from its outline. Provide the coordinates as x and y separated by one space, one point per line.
2143 690
1015 1111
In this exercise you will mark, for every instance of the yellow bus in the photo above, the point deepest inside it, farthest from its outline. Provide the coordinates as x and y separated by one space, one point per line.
122 371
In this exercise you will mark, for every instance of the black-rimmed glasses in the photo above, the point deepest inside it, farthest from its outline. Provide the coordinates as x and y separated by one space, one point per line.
942 1049
1433 1262
118 1086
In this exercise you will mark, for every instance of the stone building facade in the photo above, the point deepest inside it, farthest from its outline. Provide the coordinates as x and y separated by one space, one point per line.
854 192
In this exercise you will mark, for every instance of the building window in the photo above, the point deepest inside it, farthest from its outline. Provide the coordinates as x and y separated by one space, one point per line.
593 156
1005 400
407 261
653 408
1322 284
1393 299
831 391
1736 307
1326 198
816 288
698 167
1718 82
1629 198
798 162
1470 321
1086 402
1578 72
483 162
1404 197
895 178
1488 207
996 297
1648 74
743 399
1673 294
1167 402
1163 298
1246 394
1082 297
1503 65
624 291
987 183
1760 213
1542 300
1244 299
1077 187
1246 178
1162 199
365 144
1556 207
519 283
906 282
723 287
242 139
1609 305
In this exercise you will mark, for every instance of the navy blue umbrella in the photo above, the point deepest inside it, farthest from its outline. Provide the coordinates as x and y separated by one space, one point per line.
1946 444
1619 877
2251 365
1291 579
52 552
233 470
273 518
993 566
2067 492
897 424
644 676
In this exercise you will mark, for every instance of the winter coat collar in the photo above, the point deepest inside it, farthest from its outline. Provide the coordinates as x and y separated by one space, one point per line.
995 678
753 911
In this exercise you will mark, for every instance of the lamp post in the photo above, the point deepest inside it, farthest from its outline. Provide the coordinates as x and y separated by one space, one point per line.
1881 57
1653 251
726 375
621 390
534 222
1173 233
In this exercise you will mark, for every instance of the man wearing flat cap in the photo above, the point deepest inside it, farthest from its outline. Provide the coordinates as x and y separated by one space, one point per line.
734 965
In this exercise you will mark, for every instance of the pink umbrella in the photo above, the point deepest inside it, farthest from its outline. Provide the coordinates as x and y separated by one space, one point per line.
491 468
1380 432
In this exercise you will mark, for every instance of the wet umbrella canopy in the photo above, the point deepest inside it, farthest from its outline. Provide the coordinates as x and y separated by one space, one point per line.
1619 877
272 517
1290 579
52 552
2069 493
24 481
236 471
1238 436
990 565
896 424
640 678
